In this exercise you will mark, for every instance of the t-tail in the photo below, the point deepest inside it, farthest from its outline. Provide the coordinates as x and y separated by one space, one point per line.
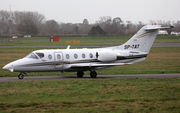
143 40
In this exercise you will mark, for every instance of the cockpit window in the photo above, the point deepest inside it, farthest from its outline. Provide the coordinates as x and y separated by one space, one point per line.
32 55
41 55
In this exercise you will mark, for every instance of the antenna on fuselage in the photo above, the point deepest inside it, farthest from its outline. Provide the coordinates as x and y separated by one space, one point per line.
68 47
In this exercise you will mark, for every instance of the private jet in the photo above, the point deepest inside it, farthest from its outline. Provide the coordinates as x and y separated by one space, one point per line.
134 50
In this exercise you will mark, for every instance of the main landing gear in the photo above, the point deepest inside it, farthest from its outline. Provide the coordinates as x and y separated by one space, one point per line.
21 76
80 74
93 74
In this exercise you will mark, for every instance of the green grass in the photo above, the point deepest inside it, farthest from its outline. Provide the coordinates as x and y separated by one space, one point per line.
92 95
84 41
159 60
167 39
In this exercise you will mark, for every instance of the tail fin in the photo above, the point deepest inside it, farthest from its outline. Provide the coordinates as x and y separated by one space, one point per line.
143 40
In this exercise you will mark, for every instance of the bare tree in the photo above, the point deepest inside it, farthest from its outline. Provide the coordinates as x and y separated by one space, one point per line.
4 21
118 27
52 27
177 26
69 28
103 21
117 21
85 22
28 27
84 27
28 22
140 25
106 19
33 23
111 26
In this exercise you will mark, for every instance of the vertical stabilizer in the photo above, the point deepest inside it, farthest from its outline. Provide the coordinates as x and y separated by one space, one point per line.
143 40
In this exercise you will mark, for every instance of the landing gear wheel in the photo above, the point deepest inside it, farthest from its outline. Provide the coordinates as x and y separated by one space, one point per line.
93 74
80 74
20 76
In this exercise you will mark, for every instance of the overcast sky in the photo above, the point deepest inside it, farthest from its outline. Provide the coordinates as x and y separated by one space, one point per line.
75 11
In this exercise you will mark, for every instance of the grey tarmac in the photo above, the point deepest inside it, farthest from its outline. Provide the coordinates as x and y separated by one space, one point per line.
65 77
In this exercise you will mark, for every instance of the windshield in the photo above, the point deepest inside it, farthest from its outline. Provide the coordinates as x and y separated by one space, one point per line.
41 55
32 55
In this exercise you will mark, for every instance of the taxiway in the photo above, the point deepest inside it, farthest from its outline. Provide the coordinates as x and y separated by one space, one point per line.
63 77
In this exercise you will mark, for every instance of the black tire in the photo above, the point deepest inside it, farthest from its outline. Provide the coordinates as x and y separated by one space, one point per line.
20 76
93 74
80 74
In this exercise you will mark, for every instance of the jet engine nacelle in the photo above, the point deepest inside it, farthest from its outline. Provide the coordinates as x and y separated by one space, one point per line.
107 56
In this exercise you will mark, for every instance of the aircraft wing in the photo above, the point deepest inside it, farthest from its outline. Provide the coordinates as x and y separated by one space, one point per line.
96 65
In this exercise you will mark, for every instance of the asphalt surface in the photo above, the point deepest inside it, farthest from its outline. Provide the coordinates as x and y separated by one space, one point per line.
115 44
64 77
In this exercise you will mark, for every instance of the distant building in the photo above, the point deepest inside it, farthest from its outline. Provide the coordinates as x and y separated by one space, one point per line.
14 36
174 33
163 32
26 36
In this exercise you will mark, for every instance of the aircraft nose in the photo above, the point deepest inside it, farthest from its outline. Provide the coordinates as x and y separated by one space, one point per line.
8 67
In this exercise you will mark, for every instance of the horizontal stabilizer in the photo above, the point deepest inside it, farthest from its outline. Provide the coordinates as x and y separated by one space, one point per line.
157 27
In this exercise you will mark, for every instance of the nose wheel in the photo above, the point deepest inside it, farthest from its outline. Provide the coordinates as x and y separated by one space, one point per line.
21 76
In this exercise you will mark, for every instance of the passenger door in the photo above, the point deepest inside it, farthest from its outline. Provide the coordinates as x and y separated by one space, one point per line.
58 58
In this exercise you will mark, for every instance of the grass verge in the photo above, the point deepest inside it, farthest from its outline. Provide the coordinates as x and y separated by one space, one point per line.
84 41
92 95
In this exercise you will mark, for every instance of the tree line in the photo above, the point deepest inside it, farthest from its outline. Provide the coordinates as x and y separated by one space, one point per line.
35 24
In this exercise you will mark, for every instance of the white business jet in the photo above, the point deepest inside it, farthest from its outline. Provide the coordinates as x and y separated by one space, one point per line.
80 60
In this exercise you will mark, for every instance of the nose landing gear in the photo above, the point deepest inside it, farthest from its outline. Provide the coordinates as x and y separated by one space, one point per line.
21 76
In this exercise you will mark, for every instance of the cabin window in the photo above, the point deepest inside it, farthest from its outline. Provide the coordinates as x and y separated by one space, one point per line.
75 56
50 56
91 55
41 55
67 56
58 56
32 55
83 55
